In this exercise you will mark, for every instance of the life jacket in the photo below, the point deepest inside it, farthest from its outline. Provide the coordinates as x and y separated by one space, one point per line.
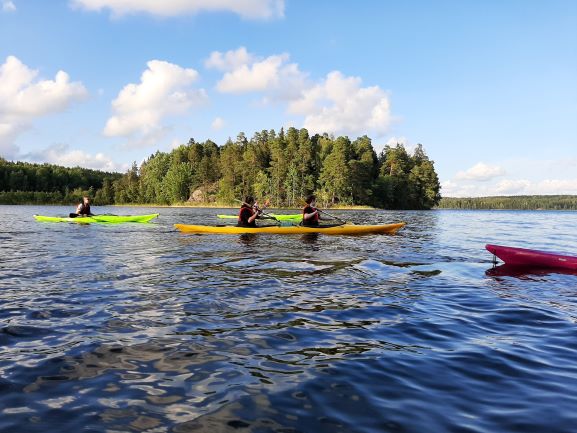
243 215
314 220
84 209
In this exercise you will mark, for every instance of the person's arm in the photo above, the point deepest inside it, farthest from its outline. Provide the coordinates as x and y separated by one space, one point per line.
253 217
308 216
78 208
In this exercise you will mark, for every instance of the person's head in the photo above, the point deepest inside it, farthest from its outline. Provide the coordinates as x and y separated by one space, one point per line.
85 199
311 199
249 199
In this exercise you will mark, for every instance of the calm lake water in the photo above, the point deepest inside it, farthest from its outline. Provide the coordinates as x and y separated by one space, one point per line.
140 328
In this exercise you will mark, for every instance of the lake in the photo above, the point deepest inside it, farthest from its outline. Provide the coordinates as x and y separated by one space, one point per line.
137 327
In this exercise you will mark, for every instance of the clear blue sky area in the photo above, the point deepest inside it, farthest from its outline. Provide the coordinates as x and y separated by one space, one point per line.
489 88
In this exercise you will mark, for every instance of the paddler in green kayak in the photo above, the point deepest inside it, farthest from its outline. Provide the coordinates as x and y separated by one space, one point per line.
83 209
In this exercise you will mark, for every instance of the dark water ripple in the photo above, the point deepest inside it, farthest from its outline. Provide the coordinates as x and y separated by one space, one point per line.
140 328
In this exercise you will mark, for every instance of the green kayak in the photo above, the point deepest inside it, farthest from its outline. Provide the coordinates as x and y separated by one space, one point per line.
281 217
111 219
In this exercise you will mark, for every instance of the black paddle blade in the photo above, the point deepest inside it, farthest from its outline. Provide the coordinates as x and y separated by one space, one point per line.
72 215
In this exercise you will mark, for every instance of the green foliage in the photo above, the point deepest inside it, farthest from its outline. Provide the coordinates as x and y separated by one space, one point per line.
520 202
406 181
284 167
27 183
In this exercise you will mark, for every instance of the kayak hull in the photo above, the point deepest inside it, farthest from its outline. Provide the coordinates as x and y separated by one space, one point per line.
345 229
535 258
109 219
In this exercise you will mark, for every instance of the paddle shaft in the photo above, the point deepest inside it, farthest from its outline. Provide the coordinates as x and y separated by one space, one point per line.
258 210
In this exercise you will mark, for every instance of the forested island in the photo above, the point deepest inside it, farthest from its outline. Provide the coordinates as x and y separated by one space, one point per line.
520 202
282 166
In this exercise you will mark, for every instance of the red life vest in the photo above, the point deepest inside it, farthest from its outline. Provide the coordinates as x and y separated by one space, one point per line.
312 221
244 214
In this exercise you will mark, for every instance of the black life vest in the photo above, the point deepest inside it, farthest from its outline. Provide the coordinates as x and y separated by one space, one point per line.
84 209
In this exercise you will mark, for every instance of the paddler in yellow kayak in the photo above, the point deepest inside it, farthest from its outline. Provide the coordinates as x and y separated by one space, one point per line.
311 215
248 213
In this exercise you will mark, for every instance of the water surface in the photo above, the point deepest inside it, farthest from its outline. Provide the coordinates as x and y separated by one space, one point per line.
137 327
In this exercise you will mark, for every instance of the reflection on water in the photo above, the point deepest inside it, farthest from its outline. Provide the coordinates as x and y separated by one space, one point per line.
310 238
140 328
505 270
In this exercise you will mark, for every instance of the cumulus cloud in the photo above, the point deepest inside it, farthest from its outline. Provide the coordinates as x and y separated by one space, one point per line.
165 89
61 154
481 172
507 187
245 72
393 141
8 6
217 124
545 187
340 104
335 104
24 98
230 60
251 9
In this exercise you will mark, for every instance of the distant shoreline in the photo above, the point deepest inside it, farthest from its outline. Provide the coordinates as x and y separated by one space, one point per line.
518 202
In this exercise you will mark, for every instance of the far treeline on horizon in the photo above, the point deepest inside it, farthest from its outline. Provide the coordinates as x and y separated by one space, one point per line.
282 167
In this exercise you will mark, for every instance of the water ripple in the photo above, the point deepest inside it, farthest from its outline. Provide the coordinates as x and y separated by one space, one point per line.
140 328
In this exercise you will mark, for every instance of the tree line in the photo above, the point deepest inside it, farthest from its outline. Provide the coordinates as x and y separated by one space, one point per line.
28 183
282 166
520 202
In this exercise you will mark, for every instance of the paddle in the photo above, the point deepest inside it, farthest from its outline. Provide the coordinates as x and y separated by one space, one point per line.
329 215
75 215
262 212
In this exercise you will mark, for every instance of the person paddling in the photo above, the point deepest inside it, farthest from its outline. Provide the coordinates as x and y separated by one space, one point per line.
247 214
83 208
311 215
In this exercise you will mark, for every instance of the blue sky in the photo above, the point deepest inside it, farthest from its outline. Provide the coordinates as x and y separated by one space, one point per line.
488 87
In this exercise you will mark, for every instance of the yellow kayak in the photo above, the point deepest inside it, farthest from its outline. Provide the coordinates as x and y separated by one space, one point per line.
345 229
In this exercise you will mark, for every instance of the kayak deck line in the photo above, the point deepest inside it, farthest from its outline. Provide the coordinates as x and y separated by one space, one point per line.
343 229
102 219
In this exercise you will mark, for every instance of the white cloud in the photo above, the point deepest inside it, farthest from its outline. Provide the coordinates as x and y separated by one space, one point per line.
451 188
252 9
481 172
217 124
273 76
337 104
165 89
258 77
61 154
513 187
8 6
393 141
23 99
554 186
230 60
340 105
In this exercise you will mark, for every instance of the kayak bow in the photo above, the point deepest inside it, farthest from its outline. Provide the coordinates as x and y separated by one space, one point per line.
525 257
345 229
